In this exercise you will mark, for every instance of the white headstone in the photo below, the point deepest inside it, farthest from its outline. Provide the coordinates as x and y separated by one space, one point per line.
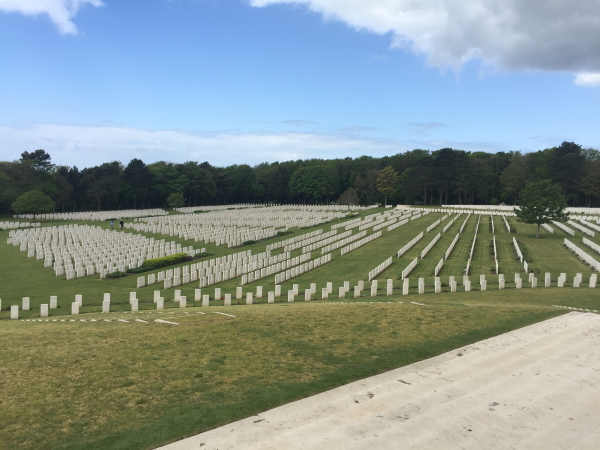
468 286
290 296
421 286
44 310
329 287
534 282
313 288
483 284
453 286
105 306
14 312
217 293
296 289
160 303
156 295
346 286
197 295
271 297
277 290
307 294
324 293
132 296
53 302
356 291
593 280
501 283
183 301
249 296
134 304
25 304
259 291
519 283
227 301
205 300
79 299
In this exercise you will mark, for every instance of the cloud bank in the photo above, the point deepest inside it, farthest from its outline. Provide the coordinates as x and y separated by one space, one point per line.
59 11
513 35
85 146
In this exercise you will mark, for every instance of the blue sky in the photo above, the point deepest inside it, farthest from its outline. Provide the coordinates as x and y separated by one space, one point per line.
247 81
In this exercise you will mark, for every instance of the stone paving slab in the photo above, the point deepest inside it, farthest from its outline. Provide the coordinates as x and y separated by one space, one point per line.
533 388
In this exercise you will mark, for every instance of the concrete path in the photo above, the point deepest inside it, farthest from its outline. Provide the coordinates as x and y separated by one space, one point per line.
533 388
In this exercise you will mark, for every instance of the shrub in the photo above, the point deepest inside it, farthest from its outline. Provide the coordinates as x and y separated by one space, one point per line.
140 269
116 274
249 242
165 260
202 255
284 232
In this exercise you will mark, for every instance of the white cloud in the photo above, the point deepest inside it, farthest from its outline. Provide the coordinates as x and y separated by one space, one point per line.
587 79
86 146
59 11
524 35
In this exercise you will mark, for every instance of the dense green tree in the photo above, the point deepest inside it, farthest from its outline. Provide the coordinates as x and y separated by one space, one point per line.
540 203
166 179
139 180
103 184
387 181
443 176
201 186
176 200
40 160
33 202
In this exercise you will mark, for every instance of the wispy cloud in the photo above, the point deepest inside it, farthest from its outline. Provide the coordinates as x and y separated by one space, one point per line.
61 12
426 125
299 123
85 146
423 128
358 129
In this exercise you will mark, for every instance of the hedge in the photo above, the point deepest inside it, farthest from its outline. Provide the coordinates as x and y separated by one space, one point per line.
166 260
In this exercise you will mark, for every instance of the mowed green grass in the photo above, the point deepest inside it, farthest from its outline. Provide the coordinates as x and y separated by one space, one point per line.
116 385
26 277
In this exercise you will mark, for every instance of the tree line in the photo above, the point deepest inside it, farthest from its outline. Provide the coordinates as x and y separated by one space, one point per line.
418 177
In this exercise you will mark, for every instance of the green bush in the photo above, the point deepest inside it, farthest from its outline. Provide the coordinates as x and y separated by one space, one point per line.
155 263
284 232
140 269
116 274
249 242
203 255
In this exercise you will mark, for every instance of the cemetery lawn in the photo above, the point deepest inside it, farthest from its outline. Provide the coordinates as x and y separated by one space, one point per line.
116 385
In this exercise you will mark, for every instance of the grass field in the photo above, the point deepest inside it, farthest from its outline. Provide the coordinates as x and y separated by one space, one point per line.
134 385
98 385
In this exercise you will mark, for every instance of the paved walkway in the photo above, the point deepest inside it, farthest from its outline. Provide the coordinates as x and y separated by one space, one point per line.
533 388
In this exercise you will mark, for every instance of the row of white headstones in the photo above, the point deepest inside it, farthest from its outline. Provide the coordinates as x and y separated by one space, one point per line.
310 292
264 264
81 250
233 228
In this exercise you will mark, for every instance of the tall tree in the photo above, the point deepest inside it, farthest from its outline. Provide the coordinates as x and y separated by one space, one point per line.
139 179
33 202
40 160
540 203
387 181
